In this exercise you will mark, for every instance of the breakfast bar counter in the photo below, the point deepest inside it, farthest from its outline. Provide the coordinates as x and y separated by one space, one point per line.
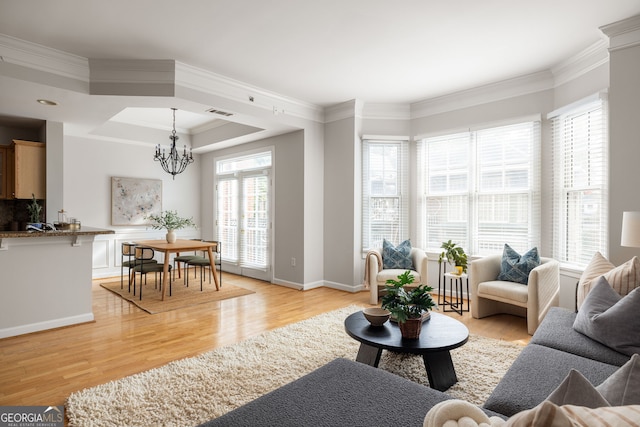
45 279
84 231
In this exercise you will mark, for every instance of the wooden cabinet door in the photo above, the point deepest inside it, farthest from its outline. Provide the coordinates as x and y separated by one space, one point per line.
29 176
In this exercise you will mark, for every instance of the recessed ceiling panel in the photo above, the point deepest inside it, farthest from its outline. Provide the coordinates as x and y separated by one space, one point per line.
162 118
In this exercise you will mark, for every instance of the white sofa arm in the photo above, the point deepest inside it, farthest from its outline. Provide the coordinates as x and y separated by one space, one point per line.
544 283
420 264
543 290
483 270
373 274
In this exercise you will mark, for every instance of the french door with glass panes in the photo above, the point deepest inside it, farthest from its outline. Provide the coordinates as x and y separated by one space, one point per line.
244 222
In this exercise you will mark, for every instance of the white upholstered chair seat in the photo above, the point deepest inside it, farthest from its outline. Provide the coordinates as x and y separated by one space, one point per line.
393 273
509 292
378 277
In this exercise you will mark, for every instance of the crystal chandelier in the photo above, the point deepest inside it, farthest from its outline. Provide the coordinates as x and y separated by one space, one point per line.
173 163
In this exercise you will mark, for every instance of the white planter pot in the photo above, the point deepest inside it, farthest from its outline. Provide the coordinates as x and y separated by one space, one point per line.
171 236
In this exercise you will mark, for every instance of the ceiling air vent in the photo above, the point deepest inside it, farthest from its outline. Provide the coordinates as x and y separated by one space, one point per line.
220 112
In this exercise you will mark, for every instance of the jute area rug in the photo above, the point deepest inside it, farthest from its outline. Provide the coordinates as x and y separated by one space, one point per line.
181 296
190 391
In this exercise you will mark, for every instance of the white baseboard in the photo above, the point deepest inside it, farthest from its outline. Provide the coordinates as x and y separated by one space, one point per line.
49 324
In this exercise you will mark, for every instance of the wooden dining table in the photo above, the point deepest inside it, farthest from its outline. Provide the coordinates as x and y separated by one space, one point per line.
181 245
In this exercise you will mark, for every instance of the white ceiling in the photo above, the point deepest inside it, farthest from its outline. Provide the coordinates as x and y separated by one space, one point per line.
329 51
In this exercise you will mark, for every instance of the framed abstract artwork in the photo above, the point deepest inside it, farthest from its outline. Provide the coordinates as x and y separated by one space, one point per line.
133 199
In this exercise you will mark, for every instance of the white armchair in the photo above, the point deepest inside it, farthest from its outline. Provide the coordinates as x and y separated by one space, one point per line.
378 277
491 296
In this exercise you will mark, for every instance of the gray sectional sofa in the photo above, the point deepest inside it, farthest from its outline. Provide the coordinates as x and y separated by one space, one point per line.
345 392
553 351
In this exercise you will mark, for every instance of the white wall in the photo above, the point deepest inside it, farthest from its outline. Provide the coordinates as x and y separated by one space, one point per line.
89 165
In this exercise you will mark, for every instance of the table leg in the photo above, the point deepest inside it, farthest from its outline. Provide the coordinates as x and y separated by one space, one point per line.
440 370
369 355
179 275
212 263
165 273
132 278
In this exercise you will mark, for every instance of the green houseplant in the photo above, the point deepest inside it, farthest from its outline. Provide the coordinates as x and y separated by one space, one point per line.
170 221
35 209
454 255
407 305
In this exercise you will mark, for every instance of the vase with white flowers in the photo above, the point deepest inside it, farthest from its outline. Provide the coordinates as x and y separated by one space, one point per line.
170 221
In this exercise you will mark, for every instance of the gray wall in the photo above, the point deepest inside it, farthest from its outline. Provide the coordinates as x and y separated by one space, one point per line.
624 125
341 229
288 202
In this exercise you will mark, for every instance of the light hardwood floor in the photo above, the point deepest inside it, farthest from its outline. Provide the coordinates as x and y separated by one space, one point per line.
44 368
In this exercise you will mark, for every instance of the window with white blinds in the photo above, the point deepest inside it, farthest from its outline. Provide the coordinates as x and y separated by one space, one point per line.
446 167
243 215
481 189
385 182
580 181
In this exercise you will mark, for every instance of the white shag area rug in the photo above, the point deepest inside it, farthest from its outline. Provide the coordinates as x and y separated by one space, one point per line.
190 391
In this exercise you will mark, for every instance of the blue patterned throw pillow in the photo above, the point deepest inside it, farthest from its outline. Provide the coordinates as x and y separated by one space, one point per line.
397 257
516 268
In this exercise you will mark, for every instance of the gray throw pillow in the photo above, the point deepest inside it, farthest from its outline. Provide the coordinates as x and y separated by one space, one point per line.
515 267
623 386
575 389
610 319
397 256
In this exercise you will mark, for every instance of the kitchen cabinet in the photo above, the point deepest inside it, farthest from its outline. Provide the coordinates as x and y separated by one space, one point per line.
25 173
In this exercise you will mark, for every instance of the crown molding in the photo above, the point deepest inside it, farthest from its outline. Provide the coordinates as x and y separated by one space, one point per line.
374 111
623 34
581 63
344 110
42 58
518 86
205 81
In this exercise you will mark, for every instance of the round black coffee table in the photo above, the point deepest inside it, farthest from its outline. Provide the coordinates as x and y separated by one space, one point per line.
439 335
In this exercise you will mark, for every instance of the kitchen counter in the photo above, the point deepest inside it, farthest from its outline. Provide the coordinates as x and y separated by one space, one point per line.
84 231
46 279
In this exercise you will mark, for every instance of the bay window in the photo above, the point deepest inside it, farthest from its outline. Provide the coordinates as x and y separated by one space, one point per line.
580 181
481 188
385 188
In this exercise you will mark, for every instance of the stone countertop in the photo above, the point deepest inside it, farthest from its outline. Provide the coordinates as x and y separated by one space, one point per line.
84 231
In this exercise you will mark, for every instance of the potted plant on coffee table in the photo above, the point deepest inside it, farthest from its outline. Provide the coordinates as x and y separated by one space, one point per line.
170 221
454 255
408 305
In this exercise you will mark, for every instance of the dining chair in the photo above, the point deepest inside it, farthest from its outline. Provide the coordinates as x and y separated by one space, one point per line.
184 258
203 262
128 252
142 257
